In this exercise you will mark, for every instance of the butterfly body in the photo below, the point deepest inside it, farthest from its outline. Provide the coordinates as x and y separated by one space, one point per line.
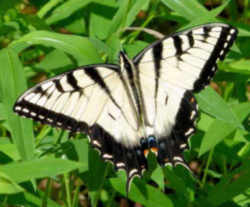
141 105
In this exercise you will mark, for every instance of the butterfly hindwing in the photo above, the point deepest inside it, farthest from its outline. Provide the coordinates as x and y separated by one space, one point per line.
64 101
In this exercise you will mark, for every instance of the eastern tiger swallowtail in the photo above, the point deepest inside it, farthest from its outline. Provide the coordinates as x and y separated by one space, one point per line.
141 105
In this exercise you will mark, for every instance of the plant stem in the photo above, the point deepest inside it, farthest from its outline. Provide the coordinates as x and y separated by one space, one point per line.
47 7
76 194
67 188
207 166
47 193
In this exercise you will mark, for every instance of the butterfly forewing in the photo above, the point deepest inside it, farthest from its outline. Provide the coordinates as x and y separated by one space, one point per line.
74 99
187 59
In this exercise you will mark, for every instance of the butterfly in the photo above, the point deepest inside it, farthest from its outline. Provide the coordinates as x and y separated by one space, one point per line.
143 104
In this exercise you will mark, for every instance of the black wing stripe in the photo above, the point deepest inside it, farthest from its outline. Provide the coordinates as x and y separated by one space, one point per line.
58 85
206 32
185 119
131 78
46 116
190 38
219 52
157 54
96 77
178 45
72 81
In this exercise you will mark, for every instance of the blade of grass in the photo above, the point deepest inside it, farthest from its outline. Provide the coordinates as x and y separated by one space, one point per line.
8 186
27 170
12 84
47 7
79 47
209 160
215 12
67 189
119 19
47 193
136 8
66 9
187 9
35 200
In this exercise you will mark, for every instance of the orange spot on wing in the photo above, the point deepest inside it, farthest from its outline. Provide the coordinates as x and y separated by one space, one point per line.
154 150
166 160
145 152
192 100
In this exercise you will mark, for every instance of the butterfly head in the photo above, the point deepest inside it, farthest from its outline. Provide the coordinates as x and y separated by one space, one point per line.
149 144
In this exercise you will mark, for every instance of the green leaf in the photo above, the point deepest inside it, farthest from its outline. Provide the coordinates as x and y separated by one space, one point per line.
95 177
27 170
10 150
3 114
136 8
66 9
176 183
36 22
215 12
102 12
77 26
242 110
243 199
158 177
6 28
115 46
78 149
241 66
79 47
244 151
211 103
133 49
119 19
141 193
187 9
12 84
54 60
5 5
8 186
204 122
101 47
217 131
48 7
232 185
37 200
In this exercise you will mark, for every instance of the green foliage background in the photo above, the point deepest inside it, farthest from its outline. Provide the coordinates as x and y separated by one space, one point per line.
40 166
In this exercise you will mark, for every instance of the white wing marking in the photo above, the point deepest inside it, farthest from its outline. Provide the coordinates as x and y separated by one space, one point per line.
65 85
